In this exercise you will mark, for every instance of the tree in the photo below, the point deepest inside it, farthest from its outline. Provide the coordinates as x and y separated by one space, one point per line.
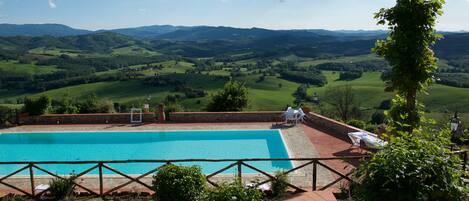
38 106
233 97
343 101
408 50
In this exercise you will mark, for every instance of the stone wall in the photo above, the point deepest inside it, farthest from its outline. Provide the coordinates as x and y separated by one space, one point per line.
332 126
112 118
225 117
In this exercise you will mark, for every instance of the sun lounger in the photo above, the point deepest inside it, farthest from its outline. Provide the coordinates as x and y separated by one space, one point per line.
371 141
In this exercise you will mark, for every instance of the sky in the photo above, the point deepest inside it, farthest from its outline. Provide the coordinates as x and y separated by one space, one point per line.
271 14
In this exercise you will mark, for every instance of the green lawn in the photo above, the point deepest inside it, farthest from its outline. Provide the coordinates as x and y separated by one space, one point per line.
13 66
314 62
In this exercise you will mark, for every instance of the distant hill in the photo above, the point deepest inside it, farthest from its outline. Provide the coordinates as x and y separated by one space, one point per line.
217 33
98 42
39 30
147 31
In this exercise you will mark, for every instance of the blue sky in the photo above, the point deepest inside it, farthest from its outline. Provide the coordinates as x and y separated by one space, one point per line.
273 14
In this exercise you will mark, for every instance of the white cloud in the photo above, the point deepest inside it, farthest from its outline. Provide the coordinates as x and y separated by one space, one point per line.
52 4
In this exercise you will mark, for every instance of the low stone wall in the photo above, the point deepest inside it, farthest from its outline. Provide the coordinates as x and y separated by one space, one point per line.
224 117
331 126
112 118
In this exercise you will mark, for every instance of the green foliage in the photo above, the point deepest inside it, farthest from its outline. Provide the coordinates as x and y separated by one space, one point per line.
412 167
378 117
64 106
4 115
372 128
92 104
234 191
37 106
173 182
385 104
342 98
233 97
305 77
399 115
408 49
279 186
454 79
350 75
357 123
61 189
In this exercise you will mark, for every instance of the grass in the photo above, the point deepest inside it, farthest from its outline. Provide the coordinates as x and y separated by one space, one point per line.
359 58
265 95
13 66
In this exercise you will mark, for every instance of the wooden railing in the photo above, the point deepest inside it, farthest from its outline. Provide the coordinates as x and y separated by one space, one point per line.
240 164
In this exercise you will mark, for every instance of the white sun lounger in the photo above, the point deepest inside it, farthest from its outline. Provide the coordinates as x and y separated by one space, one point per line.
370 140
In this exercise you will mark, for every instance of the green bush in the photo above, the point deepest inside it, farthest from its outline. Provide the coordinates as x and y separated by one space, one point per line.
233 97
279 186
412 167
64 106
92 104
37 106
378 117
372 128
357 123
233 191
173 182
62 188
4 115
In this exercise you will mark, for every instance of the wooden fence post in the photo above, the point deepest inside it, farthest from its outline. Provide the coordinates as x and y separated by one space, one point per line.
315 171
31 179
100 178
240 176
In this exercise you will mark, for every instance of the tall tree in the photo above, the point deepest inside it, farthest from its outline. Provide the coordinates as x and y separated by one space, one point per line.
342 99
233 97
408 50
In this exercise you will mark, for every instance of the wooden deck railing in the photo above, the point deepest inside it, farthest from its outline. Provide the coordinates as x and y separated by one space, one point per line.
239 164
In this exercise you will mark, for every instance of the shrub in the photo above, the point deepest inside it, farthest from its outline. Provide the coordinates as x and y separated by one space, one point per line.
173 182
4 115
233 97
371 128
234 191
350 75
37 106
62 188
279 186
412 167
385 104
378 117
92 104
64 106
357 123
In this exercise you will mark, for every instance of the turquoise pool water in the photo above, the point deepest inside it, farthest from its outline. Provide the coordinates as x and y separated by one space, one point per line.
82 146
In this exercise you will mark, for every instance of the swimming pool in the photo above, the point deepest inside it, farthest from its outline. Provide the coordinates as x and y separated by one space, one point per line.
143 145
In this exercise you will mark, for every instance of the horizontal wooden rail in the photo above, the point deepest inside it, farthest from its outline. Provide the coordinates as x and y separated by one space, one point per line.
238 164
